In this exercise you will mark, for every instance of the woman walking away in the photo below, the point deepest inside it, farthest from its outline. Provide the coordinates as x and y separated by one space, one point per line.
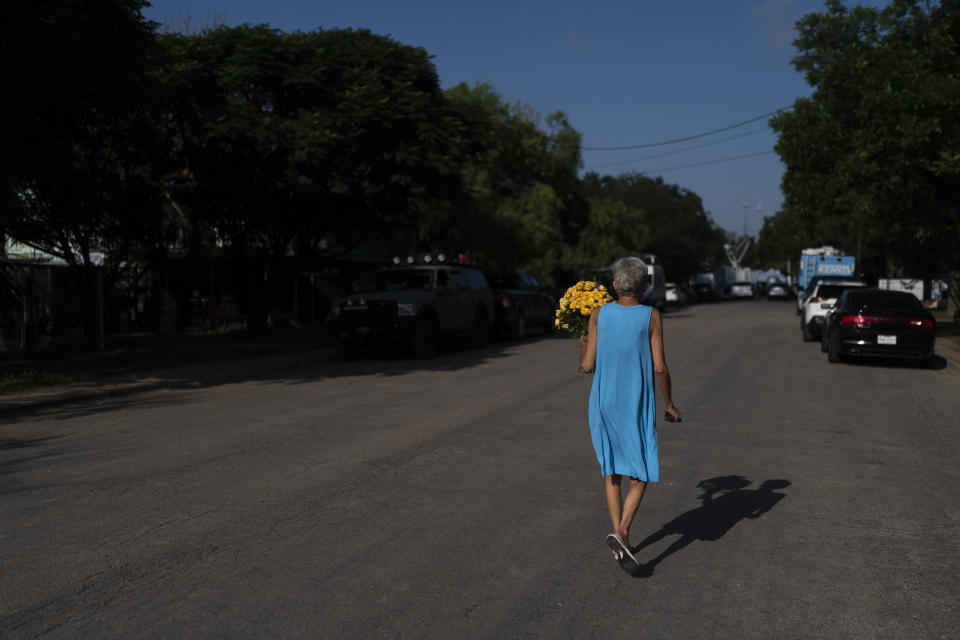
624 349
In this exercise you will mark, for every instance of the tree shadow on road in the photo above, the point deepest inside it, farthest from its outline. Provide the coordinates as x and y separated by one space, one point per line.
725 502
935 363
18 452
101 395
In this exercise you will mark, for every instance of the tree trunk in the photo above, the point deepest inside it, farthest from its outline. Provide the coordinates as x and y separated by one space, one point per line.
953 295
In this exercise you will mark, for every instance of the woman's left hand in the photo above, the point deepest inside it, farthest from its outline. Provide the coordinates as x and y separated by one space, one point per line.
672 414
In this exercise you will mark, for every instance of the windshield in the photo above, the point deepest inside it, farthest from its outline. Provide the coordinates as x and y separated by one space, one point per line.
396 280
831 291
505 282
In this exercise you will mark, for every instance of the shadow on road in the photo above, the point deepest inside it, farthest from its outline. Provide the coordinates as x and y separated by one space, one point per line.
726 500
15 453
103 395
936 363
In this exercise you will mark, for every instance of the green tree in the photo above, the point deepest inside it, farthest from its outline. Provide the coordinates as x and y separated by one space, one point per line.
297 142
78 140
662 218
522 208
873 155
780 242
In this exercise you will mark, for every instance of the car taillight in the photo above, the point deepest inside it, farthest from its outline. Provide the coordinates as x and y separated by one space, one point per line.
504 300
866 321
819 299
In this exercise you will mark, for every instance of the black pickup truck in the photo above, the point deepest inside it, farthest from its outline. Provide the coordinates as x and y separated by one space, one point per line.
520 302
415 305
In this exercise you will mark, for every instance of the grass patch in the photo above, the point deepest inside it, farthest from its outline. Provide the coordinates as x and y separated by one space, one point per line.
946 327
128 353
28 378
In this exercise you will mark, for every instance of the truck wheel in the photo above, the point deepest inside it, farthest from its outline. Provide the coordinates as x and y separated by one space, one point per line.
519 328
480 334
424 341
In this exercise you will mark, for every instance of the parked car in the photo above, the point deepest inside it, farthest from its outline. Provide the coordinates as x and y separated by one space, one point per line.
519 302
802 295
741 290
414 304
690 296
675 296
822 297
777 290
879 323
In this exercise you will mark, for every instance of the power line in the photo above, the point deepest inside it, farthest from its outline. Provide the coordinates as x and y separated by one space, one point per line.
670 153
684 139
701 164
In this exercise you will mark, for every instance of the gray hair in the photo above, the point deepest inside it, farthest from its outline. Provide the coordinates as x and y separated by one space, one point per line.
630 275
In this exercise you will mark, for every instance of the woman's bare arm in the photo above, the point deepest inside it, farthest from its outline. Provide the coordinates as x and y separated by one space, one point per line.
588 346
660 369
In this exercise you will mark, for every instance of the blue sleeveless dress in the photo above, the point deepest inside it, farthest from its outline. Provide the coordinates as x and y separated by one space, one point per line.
622 407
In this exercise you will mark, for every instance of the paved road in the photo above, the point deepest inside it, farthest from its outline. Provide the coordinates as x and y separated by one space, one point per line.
461 498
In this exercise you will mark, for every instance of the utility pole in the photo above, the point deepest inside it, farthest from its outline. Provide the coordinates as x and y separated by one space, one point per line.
759 216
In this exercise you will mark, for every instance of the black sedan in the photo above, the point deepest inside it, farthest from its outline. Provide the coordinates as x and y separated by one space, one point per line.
878 323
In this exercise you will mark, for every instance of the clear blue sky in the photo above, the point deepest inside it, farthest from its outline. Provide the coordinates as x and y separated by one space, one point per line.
625 73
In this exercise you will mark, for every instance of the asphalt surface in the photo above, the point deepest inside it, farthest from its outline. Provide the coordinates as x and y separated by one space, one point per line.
300 497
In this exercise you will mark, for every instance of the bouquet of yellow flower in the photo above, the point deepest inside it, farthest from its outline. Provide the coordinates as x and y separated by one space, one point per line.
576 305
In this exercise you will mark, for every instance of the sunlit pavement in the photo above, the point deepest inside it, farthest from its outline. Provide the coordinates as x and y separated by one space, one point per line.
460 497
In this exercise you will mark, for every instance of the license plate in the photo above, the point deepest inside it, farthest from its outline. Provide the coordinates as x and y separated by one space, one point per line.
886 339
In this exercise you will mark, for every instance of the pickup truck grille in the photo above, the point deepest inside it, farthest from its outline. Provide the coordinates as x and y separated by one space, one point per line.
371 313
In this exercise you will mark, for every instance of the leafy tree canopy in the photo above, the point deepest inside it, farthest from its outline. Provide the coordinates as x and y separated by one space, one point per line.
873 155
523 207
654 217
294 139
77 148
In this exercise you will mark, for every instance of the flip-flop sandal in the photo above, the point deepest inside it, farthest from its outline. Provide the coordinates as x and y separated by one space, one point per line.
615 543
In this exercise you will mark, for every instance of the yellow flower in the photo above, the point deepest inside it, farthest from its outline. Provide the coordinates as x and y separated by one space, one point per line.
586 311
564 304
556 322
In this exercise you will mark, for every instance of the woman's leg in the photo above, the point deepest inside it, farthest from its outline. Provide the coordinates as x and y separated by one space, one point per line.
630 504
611 485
